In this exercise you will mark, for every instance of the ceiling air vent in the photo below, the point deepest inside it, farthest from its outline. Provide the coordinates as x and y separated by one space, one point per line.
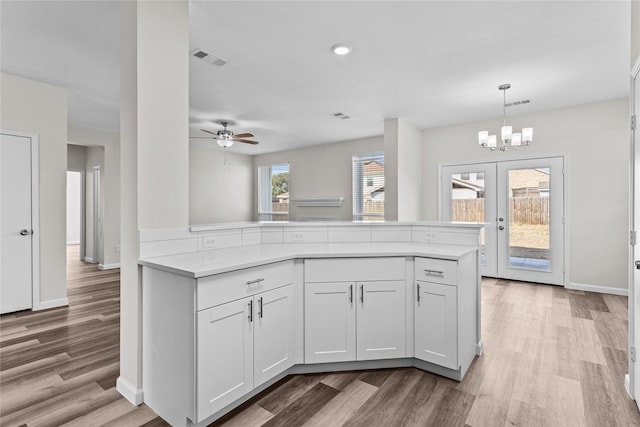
341 116
512 104
208 57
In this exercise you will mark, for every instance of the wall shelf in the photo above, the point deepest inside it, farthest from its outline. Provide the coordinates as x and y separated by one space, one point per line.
324 202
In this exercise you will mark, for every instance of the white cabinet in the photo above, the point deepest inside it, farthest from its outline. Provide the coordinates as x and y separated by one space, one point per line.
273 336
436 324
354 319
241 345
445 311
329 322
225 340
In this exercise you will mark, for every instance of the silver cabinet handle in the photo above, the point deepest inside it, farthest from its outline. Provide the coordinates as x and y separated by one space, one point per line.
438 273
418 293
260 307
251 311
251 282
351 293
362 294
25 232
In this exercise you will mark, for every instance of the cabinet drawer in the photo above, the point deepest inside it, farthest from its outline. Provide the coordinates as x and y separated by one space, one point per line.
222 288
353 269
436 270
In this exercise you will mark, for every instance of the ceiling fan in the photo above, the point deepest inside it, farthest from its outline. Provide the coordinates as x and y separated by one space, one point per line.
225 138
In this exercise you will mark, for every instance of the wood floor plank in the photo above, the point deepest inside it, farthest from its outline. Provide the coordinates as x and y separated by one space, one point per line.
254 415
303 408
342 407
286 392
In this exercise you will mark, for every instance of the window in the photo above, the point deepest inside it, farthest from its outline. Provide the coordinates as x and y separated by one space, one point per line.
273 192
368 187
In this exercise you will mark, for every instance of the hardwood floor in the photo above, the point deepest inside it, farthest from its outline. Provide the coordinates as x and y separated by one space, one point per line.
59 366
553 357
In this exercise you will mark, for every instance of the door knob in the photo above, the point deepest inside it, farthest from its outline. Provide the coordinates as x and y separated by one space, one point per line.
501 227
500 219
24 232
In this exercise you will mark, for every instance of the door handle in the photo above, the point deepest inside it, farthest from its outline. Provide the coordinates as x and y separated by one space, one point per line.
351 293
362 294
501 227
251 311
418 291
638 265
25 232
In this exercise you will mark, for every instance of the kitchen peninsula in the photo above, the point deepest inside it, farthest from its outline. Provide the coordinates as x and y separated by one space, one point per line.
230 309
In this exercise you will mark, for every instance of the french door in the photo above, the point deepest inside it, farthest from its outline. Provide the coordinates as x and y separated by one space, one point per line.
522 204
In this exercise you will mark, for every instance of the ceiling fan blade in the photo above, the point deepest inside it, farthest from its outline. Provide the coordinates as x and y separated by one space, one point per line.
208 131
243 135
246 141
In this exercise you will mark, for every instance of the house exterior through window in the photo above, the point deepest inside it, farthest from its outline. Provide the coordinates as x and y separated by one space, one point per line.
273 192
368 187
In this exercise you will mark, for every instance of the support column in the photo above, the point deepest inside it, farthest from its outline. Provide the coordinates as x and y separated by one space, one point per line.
154 132
402 170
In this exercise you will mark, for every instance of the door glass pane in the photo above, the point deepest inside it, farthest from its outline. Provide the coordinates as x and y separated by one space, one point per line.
467 201
529 219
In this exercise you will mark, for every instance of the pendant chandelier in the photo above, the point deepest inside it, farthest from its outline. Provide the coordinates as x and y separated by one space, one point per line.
509 138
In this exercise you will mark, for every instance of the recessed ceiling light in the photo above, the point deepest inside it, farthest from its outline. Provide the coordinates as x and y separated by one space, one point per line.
341 49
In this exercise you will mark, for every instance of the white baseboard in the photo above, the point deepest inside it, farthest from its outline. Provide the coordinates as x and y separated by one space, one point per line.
598 289
109 266
88 259
627 386
52 303
129 392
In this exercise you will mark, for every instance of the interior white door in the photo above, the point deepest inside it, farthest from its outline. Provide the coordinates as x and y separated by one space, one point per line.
531 220
15 224
468 194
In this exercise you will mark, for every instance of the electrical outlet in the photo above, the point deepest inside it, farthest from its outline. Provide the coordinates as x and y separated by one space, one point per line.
431 236
298 237
209 242
117 249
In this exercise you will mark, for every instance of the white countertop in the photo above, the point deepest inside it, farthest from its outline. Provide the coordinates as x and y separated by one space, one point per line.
332 223
207 263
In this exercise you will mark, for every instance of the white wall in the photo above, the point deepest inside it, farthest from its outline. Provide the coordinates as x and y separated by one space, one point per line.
94 158
74 207
635 31
31 106
595 138
220 185
318 172
76 157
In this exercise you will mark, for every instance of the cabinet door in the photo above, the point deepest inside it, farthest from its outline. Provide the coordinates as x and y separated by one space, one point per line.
224 356
329 322
273 333
381 320
436 324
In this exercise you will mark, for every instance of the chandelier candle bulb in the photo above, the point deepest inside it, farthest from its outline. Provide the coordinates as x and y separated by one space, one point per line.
483 137
527 135
516 139
492 141
506 133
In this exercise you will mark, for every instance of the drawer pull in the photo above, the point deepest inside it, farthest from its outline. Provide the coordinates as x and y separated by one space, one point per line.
251 282
438 273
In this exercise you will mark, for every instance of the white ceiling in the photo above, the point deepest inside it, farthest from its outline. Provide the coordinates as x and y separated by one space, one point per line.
433 63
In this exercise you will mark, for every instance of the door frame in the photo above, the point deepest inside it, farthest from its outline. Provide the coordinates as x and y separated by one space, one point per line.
634 284
83 209
35 214
565 180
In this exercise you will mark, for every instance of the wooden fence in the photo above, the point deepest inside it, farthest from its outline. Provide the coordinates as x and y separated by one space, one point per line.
522 210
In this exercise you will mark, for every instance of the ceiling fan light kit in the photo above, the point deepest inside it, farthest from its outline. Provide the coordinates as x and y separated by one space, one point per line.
225 138
509 139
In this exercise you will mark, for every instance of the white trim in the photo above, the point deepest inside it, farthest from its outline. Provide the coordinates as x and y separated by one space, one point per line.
35 212
109 266
597 288
52 303
627 385
636 68
89 260
129 392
